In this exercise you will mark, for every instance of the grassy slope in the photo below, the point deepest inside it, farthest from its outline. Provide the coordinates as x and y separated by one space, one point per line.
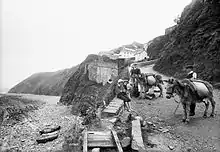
45 83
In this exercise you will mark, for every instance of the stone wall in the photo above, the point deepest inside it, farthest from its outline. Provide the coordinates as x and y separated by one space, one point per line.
101 72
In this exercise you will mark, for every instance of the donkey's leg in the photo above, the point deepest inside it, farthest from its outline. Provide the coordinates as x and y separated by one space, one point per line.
161 90
184 111
206 108
187 111
192 109
213 107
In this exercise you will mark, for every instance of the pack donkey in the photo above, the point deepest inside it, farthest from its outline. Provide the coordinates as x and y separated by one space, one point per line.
190 93
145 81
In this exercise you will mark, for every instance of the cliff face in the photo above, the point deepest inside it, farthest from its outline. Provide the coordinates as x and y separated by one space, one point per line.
45 83
156 46
89 83
195 40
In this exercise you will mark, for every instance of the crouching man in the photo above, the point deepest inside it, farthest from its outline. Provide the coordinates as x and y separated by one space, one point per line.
121 93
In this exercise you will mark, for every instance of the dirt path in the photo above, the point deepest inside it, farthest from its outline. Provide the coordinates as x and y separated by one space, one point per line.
200 134
22 136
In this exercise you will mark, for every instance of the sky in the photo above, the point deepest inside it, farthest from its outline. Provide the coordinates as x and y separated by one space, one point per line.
49 35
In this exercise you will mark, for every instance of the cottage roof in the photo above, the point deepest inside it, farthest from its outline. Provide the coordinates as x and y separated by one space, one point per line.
139 51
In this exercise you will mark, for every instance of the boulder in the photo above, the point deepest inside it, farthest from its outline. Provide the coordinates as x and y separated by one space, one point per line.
96 150
49 129
151 80
47 137
125 142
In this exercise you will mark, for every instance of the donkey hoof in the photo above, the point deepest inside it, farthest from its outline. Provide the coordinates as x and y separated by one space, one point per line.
204 116
212 115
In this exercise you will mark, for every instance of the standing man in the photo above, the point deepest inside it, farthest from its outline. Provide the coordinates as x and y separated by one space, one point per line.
192 76
135 74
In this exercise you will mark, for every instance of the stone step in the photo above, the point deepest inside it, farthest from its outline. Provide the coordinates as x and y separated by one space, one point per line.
114 105
113 108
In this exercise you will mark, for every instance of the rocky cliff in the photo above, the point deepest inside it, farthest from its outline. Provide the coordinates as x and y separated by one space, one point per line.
195 40
89 83
45 83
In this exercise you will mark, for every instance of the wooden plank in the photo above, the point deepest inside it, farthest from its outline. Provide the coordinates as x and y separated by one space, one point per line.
117 141
114 106
101 136
85 141
137 141
113 111
117 100
100 139
101 144
116 103
111 107
99 133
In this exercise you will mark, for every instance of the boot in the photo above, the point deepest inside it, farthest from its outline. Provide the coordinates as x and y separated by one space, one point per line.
192 109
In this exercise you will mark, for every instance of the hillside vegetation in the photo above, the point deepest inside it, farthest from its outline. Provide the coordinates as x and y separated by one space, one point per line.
45 83
195 40
156 46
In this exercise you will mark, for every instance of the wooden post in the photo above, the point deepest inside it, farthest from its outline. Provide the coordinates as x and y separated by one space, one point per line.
116 140
85 141
137 141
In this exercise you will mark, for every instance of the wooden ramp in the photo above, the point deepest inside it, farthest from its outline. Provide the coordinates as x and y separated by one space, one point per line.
114 108
101 139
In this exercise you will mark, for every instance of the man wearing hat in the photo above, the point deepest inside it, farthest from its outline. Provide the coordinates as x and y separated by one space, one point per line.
191 75
121 93
135 73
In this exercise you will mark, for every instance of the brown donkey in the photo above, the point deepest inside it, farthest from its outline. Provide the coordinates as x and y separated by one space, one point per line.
190 93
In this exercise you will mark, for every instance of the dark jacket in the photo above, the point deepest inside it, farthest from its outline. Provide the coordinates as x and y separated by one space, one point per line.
135 71
119 89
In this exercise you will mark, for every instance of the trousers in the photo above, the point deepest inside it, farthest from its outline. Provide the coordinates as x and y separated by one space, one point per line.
123 96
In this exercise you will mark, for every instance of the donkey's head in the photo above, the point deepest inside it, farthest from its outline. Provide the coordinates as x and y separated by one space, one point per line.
174 86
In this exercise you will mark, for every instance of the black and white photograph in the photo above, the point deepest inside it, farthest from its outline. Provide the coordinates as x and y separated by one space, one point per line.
109 76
